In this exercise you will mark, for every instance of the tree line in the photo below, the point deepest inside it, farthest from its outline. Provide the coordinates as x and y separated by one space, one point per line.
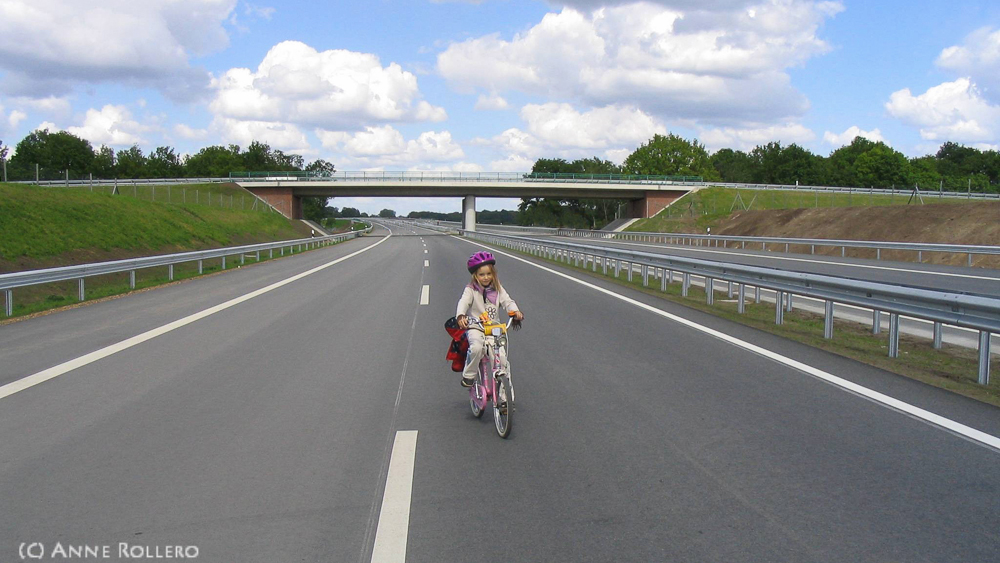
862 163
52 155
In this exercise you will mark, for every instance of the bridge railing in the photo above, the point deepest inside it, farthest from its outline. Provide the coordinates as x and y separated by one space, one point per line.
977 312
436 176
80 272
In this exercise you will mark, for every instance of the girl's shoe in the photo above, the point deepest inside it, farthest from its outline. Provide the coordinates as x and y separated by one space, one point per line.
468 382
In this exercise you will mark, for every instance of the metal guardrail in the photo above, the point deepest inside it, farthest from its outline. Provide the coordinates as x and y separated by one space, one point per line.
975 312
124 182
742 241
11 281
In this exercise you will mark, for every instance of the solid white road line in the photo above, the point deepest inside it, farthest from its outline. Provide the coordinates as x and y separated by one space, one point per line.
870 394
827 262
425 295
56 371
394 517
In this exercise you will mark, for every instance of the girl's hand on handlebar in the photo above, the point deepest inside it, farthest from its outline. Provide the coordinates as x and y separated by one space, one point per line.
463 322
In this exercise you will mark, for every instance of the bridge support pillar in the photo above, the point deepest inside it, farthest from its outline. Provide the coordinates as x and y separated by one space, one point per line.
469 213
282 199
652 203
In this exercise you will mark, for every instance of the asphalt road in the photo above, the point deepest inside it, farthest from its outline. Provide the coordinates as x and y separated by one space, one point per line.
265 431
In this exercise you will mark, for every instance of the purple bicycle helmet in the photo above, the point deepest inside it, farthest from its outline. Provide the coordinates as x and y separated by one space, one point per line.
480 258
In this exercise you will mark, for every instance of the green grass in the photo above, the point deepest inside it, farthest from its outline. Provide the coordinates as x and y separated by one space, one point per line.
39 223
42 227
708 206
952 367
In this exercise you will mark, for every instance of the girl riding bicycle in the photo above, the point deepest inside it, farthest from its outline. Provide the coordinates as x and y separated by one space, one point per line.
482 296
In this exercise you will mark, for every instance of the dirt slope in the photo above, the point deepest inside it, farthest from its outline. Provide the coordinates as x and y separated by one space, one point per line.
976 223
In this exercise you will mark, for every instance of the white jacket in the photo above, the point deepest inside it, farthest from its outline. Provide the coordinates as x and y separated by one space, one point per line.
473 303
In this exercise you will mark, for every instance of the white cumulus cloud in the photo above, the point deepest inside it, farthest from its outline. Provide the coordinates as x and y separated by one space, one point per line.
491 102
977 58
561 126
748 138
850 133
279 135
334 90
46 46
952 111
670 59
111 125
384 145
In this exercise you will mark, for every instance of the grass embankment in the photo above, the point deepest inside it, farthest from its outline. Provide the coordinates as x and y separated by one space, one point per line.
838 217
952 367
342 225
708 207
44 227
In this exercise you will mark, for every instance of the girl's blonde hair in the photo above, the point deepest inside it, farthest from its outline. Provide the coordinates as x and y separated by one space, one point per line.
496 280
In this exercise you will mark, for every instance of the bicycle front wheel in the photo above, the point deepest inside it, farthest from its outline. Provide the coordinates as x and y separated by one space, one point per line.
503 406
477 394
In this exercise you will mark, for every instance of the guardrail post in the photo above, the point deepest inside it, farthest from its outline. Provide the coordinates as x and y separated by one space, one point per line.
282 250
686 284
200 267
756 294
9 302
82 290
243 258
593 262
629 271
984 357
876 321
618 267
663 280
131 280
970 259
223 262
604 265
788 302
645 275
828 321
741 295
729 291
878 253
893 335
920 256
709 291
937 335
170 272
779 309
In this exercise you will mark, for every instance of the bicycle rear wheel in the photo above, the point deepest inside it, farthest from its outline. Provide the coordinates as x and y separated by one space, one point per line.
503 407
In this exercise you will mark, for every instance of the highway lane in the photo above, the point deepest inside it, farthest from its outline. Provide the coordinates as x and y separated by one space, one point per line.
261 433
636 440
256 434
951 278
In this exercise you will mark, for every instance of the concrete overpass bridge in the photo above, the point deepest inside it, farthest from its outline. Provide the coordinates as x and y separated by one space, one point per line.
647 195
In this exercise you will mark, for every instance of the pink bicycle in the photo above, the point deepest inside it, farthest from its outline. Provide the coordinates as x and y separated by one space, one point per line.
493 383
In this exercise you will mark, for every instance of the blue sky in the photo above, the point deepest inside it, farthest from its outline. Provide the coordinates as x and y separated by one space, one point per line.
493 85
